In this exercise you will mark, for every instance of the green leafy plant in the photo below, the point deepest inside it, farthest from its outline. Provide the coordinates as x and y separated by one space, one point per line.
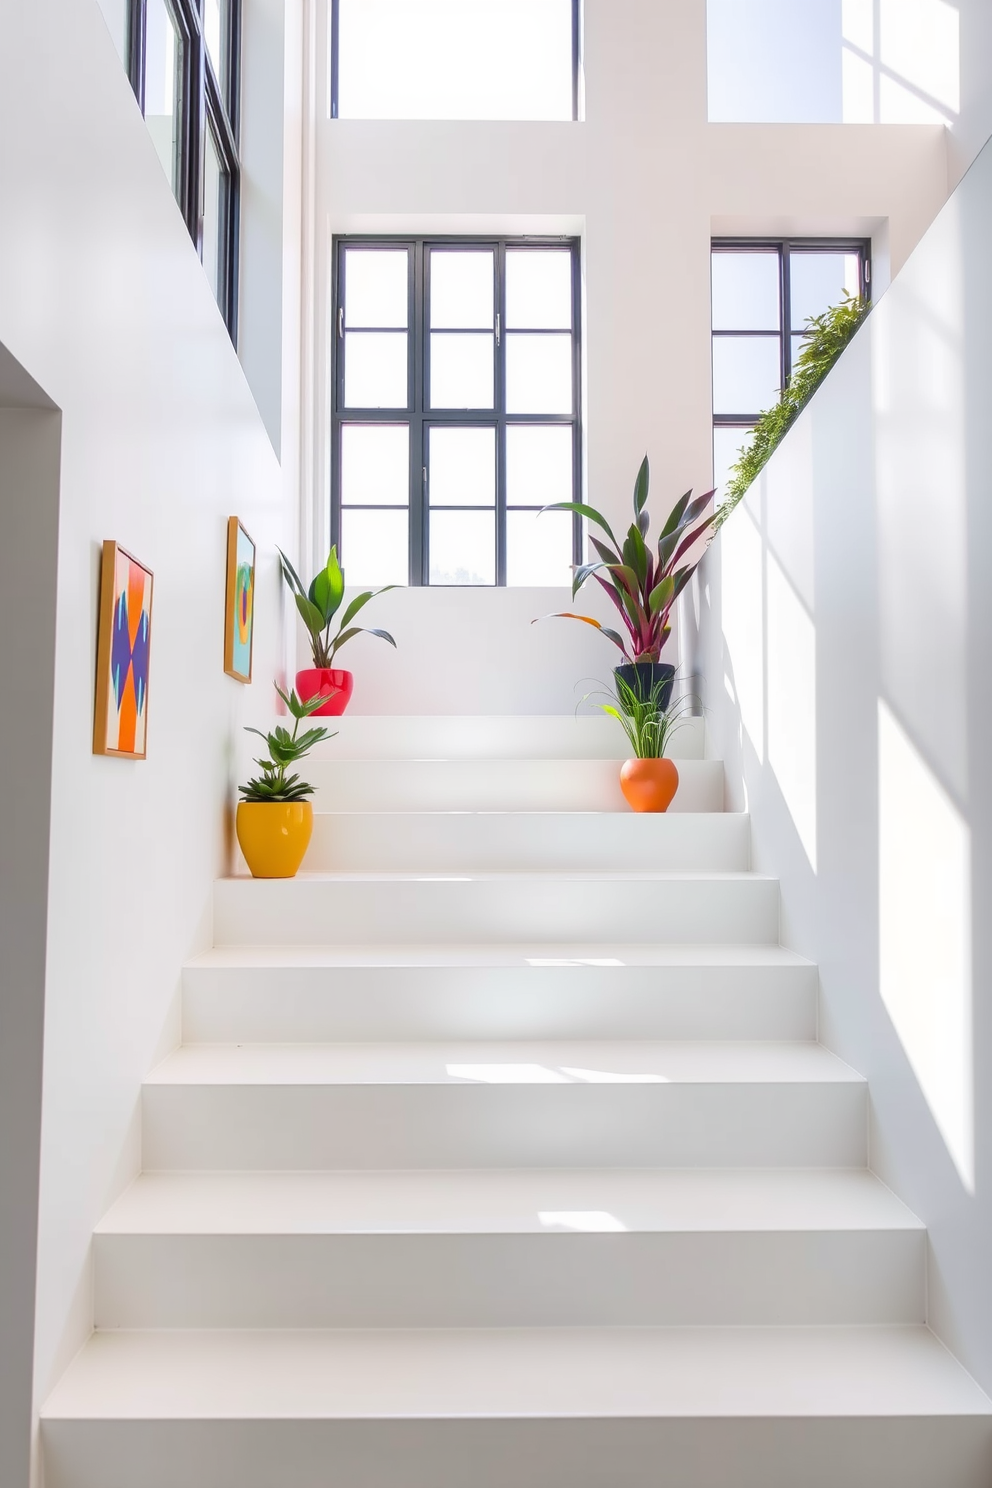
643 584
824 338
285 749
647 725
318 605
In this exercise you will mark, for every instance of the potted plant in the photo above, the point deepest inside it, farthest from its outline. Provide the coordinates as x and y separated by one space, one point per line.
648 780
275 820
643 584
318 606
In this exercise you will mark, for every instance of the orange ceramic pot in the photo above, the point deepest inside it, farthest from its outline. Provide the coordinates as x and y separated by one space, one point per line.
274 835
649 784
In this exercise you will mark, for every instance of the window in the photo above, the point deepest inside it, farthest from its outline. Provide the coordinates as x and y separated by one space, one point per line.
456 398
763 293
183 63
455 59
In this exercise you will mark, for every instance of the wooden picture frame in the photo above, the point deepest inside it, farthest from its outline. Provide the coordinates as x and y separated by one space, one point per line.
239 602
123 652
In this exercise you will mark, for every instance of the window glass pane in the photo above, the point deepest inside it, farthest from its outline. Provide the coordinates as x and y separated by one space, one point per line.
375 369
727 443
539 289
820 280
455 59
538 548
462 290
216 19
374 547
376 288
162 70
538 464
745 291
463 547
462 467
461 370
538 374
746 373
213 185
375 464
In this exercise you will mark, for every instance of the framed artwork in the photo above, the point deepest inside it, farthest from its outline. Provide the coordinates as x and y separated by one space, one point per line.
239 614
124 632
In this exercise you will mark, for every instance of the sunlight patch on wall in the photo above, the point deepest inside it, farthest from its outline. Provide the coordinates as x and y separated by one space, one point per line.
901 61
792 704
925 934
743 628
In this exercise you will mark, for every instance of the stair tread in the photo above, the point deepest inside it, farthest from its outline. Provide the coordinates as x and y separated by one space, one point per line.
468 954
495 875
511 1201
488 1063
513 1372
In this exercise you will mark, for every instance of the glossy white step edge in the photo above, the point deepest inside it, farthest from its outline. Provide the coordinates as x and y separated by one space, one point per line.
497 784
507 1249
492 736
306 1106
529 842
287 994
680 1408
429 907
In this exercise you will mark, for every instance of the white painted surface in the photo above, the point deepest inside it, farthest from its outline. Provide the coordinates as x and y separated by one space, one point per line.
104 301
560 738
888 470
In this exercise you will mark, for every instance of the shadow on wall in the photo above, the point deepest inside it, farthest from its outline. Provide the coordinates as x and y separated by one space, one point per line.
834 61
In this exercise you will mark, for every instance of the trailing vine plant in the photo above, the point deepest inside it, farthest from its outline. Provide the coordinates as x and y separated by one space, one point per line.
824 339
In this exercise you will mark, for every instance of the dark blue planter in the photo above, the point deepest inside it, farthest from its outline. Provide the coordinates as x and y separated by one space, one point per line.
643 677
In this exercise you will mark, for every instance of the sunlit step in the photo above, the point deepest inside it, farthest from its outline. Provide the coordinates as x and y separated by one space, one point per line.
529 841
286 994
496 784
467 907
676 1407
306 1106
508 1248
491 736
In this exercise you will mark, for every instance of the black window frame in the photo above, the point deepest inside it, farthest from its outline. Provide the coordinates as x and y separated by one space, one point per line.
785 247
335 59
204 104
420 417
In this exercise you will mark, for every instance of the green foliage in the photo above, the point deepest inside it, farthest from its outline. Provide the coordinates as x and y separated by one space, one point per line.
824 339
319 604
641 584
285 749
647 726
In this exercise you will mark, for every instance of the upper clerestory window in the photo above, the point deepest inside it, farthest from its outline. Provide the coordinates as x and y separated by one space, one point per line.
455 59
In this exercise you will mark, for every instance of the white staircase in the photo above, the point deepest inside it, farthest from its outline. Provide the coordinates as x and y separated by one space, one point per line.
500 1153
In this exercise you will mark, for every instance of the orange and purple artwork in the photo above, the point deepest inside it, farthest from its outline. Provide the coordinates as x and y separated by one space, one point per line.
240 607
120 724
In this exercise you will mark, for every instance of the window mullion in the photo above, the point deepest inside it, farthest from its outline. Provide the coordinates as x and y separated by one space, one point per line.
500 410
417 351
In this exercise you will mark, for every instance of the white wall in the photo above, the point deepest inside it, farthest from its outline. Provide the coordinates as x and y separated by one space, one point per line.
103 300
846 617
645 180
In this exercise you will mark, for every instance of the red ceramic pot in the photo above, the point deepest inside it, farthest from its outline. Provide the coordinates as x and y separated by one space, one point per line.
329 682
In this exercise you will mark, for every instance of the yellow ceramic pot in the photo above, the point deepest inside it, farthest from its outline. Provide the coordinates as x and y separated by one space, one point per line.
274 835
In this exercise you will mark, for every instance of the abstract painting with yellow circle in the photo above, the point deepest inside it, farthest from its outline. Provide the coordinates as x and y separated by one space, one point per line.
240 606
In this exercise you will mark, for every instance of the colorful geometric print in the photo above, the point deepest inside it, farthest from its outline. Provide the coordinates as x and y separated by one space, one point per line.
129 657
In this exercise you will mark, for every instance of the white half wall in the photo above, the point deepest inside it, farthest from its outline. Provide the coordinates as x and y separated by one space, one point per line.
846 618
104 301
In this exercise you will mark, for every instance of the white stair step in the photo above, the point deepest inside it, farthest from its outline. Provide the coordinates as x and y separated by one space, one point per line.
681 1408
496 784
508 1248
490 1105
529 841
492 736
462 906
287 994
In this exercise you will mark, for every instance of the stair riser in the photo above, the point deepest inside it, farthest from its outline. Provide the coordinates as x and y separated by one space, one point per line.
310 911
484 738
417 1281
368 1004
497 785
528 842
703 1452
306 1127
